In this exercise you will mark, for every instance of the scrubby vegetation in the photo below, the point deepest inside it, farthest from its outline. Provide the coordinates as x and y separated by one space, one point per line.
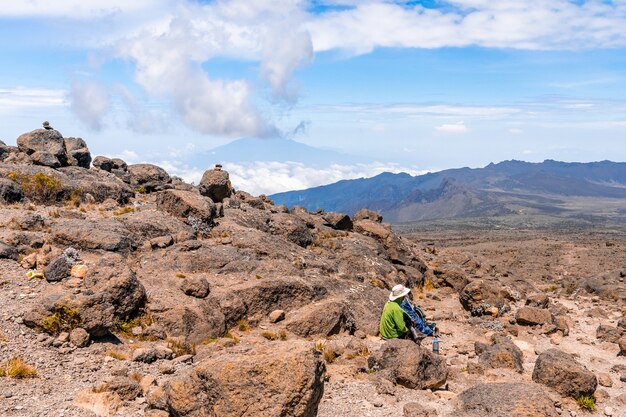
40 188
64 319
587 402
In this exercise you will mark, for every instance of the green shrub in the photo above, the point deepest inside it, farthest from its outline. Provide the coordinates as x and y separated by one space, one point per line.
587 402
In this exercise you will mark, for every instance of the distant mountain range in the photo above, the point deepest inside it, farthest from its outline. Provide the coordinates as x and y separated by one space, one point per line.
507 188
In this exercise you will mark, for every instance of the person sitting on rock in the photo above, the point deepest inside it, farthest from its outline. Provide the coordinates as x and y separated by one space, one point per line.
418 321
393 321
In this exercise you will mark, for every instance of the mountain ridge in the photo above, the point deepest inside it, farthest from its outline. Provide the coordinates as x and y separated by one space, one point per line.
496 189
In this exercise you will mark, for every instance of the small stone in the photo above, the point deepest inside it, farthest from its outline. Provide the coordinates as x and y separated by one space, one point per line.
41 337
605 380
136 331
556 338
63 337
79 337
276 316
608 411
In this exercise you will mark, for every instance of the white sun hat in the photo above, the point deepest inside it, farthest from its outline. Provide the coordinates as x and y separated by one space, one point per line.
398 291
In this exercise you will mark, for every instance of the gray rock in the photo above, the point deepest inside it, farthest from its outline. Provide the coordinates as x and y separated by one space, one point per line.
45 147
77 152
10 192
58 269
418 410
147 176
8 252
502 353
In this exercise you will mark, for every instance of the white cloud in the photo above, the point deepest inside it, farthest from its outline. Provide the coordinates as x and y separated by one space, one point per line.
78 9
516 131
20 97
425 109
90 102
549 24
457 128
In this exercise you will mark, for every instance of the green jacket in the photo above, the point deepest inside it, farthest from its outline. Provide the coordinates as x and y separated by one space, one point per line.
392 324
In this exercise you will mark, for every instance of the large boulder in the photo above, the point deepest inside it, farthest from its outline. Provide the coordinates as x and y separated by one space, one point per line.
216 185
10 192
505 400
110 293
322 319
284 379
479 296
609 333
405 363
533 316
44 146
77 152
451 277
115 166
186 203
502 353
559 370
148 177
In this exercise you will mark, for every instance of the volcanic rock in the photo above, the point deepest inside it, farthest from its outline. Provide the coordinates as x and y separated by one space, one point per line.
505 400
365 214
216 185
480 295
285 379
532 316
77 152
45 147
559 370
186 203
502 353
405 363
148 177
338 221
10 192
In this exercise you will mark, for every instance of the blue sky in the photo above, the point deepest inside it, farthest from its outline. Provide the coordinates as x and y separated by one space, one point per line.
413 86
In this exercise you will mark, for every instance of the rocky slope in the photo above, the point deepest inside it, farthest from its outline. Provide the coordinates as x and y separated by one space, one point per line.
127 292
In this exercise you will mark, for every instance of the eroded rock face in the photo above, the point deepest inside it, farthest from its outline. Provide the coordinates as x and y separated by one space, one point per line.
559 370
45 147
405 363
338 221
283 380
323 319
216 185
505 400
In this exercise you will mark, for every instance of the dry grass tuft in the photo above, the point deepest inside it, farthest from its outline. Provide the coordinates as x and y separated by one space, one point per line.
17 368
329 356
181 348
117 355
270 335
230 335
243 325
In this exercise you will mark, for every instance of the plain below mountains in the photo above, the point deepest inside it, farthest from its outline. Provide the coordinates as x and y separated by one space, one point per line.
594 190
